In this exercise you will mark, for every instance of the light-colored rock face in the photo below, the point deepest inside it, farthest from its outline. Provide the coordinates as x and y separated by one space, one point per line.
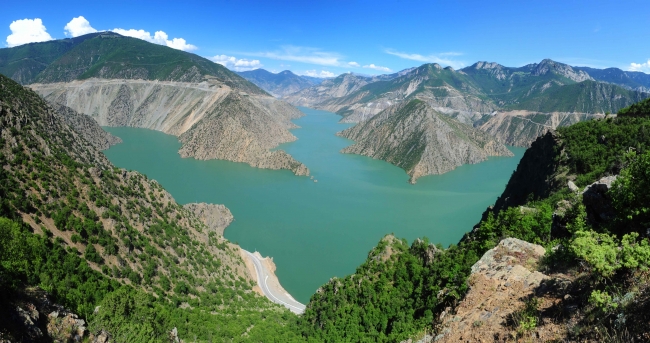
521 128
211 119
500 282
421 141
87 128
215 217
547 66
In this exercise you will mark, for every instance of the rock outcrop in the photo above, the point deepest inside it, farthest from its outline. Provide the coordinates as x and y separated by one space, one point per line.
420 140
30 315
87 128
598 202
215 217
537 174
500 283
211 119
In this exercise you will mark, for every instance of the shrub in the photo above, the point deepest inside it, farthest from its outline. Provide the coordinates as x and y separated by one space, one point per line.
602 301
630 196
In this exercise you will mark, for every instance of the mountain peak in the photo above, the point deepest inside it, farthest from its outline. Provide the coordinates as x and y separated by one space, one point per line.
549 66
486 65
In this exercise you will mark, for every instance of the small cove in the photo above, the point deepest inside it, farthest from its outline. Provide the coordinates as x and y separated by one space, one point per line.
315 231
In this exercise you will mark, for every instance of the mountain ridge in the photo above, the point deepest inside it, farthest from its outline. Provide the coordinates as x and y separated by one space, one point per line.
416 138
120 80
278 84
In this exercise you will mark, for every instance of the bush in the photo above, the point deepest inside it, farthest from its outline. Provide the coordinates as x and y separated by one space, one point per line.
630 196
606 255
602 301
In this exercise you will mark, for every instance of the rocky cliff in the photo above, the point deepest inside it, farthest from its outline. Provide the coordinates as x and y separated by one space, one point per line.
500 283
420 140
215 217
211 119
521 128
87 128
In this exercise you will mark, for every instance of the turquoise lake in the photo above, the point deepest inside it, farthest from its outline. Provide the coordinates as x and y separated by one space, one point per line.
315 231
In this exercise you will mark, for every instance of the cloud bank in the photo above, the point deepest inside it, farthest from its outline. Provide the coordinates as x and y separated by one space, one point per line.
314 73
25 31
233 63
375 67
78 26
441 58
160 37
643 67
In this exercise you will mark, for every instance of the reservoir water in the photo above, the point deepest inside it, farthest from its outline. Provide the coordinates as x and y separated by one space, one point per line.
315 231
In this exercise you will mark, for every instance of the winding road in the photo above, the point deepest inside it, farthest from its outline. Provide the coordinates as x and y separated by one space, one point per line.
270 285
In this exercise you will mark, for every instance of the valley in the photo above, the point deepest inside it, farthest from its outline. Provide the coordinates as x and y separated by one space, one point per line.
283 173
299 222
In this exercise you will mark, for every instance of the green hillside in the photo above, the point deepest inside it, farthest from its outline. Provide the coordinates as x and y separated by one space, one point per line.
23 63
110 55
584 97
640 109
93 235
401 290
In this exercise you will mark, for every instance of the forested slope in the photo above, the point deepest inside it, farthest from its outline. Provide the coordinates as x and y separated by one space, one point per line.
93 235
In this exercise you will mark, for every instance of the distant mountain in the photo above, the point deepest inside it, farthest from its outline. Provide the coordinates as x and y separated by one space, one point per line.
324 95
420 140
280 84
474 95
634 80
124 81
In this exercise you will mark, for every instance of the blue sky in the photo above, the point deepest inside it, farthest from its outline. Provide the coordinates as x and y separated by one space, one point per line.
370 37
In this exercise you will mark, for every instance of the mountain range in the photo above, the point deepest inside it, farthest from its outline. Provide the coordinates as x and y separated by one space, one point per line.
124 81
280 84
91 252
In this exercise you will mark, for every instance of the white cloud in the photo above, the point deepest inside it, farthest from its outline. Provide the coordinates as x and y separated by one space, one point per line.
303 55
160 37
375 67
644 67
232 62
25 31
78 26
354 64
314 73
442 58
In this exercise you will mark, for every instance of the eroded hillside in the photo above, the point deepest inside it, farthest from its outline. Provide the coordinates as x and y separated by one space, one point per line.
416 138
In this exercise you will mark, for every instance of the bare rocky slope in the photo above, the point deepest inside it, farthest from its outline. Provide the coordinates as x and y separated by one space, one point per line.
215 217
88 128
420 140
517 127
211 119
